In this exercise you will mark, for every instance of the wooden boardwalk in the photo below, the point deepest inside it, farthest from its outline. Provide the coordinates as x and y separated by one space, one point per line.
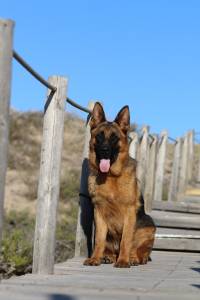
170 275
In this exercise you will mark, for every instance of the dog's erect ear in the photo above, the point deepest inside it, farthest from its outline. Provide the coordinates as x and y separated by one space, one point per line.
123 119
98 115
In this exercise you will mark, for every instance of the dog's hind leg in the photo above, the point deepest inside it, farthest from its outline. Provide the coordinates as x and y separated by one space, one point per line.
142 245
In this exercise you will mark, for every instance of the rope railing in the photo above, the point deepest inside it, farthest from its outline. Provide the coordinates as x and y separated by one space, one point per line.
172 139
73 103
35 74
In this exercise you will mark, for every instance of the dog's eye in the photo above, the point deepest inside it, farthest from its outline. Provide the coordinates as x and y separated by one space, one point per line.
114 138
100 137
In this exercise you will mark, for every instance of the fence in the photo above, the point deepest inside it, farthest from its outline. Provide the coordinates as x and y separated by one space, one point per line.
151 152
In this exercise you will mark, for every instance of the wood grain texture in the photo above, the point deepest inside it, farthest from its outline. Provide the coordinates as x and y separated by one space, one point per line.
178 233
183 180
150 176
198 172
143 154
6 44
49 178
133 147
175 219
177 243
174 181
190 156
177 239
181 206
159 177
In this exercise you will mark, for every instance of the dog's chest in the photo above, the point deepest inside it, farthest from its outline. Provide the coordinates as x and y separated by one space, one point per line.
112 191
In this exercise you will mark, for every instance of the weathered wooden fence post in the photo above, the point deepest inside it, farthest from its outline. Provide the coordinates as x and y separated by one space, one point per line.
174 181
183 180
190 155
133 147
83 245
49 178
6 48
198 170
159 177
150 175
143 158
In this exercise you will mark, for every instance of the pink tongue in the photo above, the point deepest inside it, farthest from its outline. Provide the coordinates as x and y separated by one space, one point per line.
104 165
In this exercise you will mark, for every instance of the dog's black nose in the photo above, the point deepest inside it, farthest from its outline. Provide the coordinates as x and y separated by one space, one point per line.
105 151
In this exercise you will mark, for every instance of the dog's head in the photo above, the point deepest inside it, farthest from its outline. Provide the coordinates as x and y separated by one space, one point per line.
109 142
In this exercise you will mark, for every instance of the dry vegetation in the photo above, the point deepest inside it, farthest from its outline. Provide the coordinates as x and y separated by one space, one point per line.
24 159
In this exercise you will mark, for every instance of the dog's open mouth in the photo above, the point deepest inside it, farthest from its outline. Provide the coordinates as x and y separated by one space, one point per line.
104 165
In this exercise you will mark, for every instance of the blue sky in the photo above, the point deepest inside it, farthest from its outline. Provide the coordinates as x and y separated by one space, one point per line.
143 53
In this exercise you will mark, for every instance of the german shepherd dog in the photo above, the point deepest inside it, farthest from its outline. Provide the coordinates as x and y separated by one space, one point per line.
124 234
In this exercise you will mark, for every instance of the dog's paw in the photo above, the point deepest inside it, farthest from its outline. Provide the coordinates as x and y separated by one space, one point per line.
144 260
108 259
134 261
92 262
122 264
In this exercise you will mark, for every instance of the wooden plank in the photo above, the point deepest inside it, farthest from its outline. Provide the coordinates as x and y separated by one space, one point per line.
178 244
6 46
83 246
174 181
177 239
49 178
133 147
159 177
150 175
178 233
192 199
175 219
177 206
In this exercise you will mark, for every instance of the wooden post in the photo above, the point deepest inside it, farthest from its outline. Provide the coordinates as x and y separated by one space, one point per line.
198 171
84 230
159 178
133 147
190 162
49 178
150 177
143 158
174 181
183 181
6 44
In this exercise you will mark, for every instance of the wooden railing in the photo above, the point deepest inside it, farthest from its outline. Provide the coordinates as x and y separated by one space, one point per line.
152 154
149 150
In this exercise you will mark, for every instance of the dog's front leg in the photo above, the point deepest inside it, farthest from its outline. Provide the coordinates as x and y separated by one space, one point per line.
123 260
101 230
